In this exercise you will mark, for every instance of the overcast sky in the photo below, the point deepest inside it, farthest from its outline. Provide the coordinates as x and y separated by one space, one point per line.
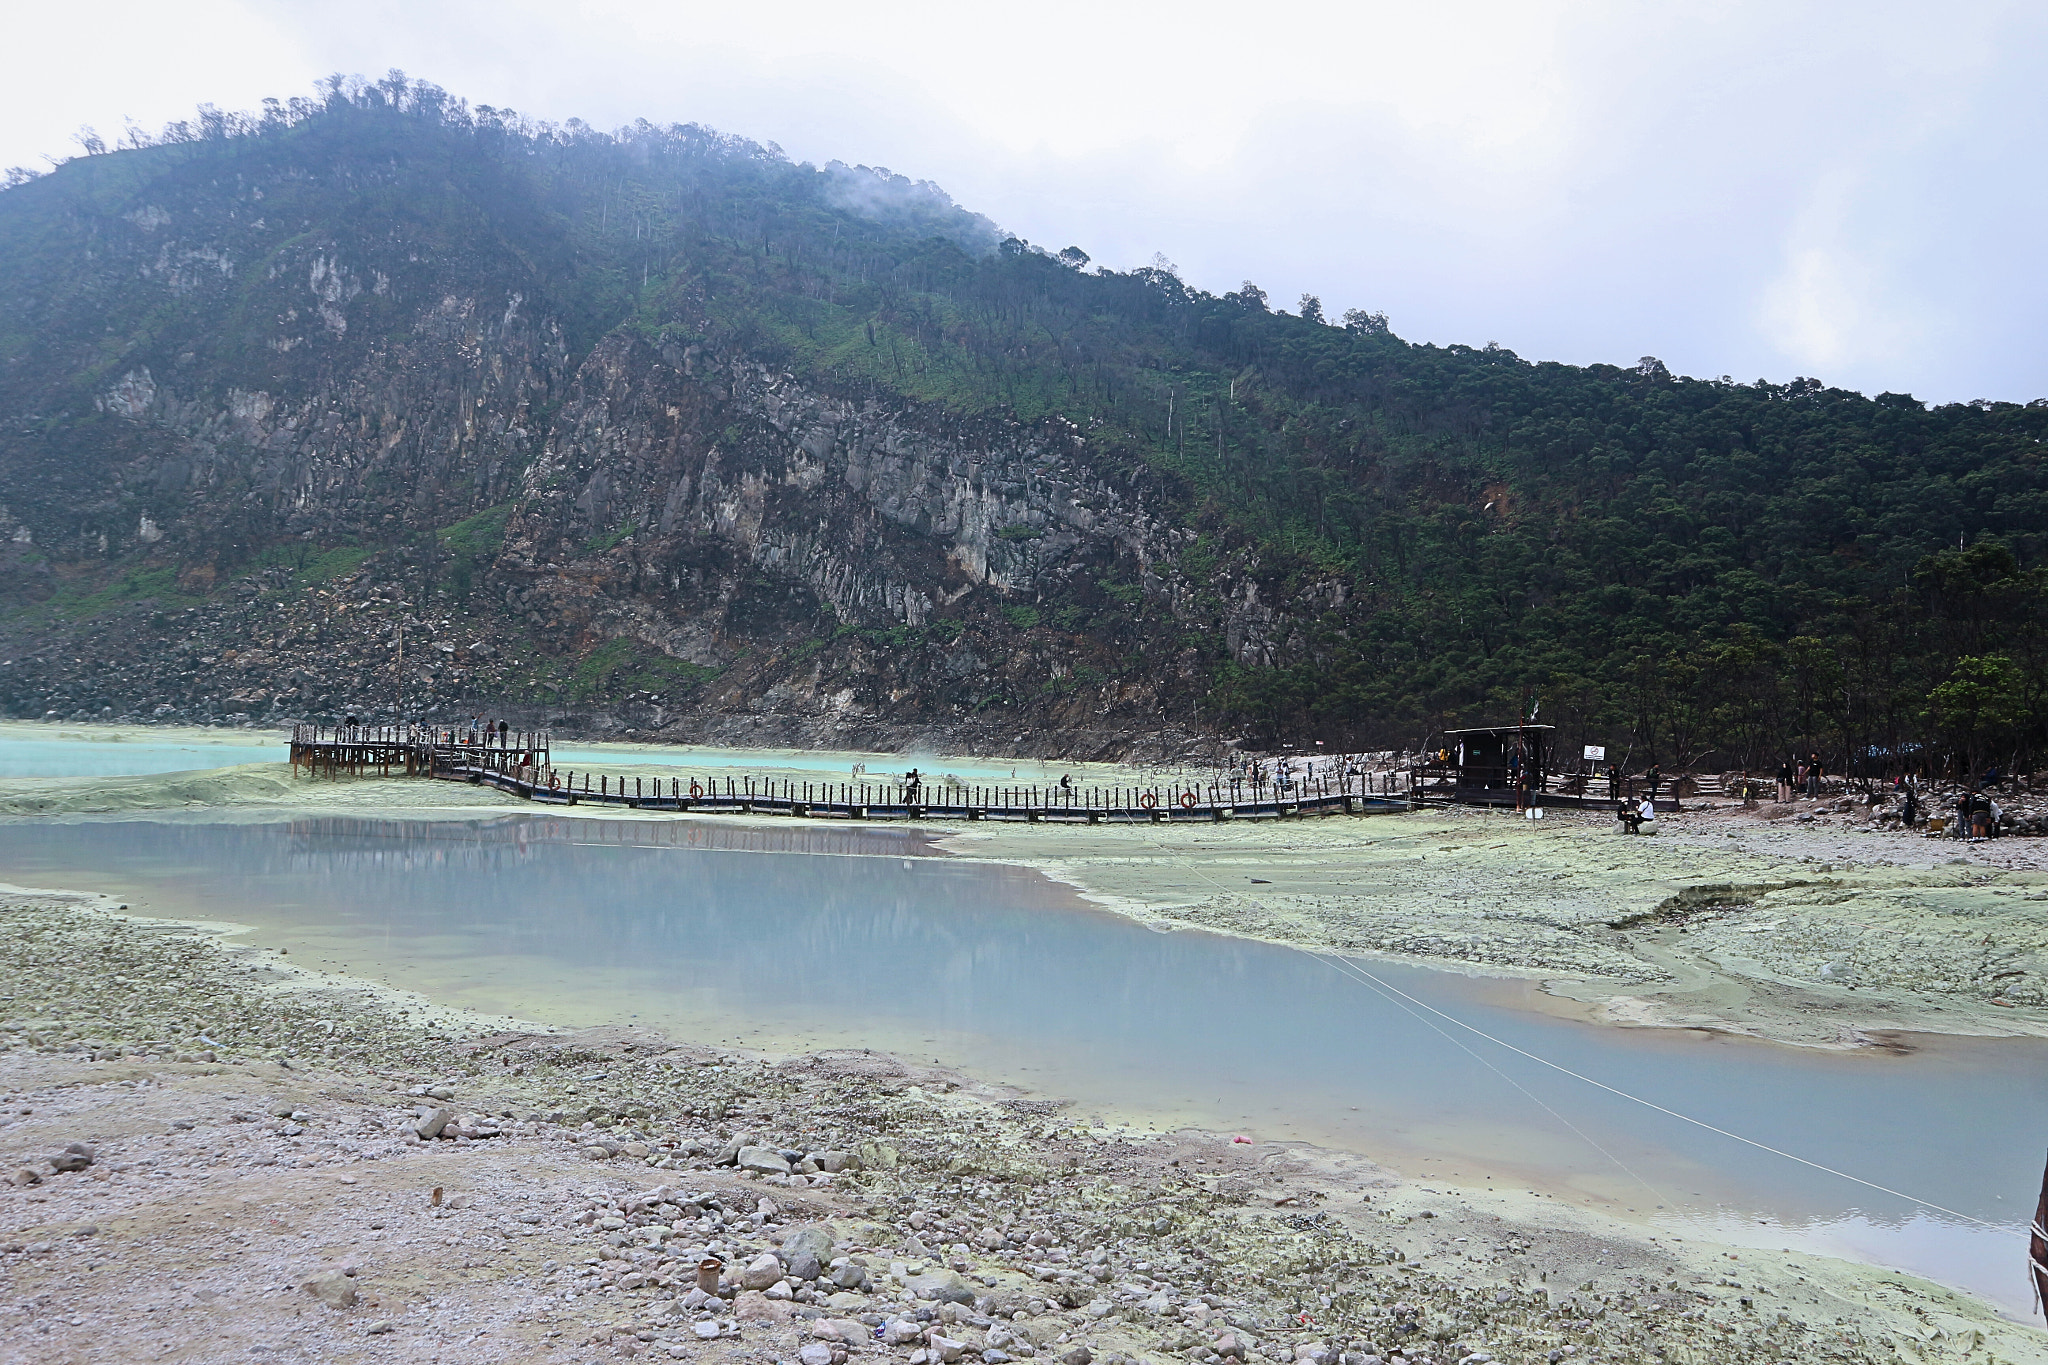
1849 191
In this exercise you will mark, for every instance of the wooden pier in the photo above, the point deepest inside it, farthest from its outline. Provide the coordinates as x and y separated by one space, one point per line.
413 750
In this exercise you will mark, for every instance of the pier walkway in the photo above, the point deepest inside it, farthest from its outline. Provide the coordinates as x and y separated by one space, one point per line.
518 762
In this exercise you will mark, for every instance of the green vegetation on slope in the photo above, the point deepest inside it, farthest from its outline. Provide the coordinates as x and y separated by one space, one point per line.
1699 564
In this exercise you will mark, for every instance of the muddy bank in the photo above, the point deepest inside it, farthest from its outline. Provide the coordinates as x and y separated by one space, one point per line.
257 1181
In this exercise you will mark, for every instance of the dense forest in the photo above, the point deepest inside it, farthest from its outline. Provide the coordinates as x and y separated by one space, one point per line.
1695 570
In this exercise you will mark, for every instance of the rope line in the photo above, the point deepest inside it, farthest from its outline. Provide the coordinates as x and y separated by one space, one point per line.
1527 1093
1380 986
1673 1113
1345 966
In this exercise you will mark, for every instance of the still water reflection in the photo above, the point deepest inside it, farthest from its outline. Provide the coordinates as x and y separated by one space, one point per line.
786 937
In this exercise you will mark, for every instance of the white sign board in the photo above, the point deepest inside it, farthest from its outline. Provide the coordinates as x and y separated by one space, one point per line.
1595 752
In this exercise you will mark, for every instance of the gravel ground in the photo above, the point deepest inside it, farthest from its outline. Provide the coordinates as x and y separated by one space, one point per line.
253 1184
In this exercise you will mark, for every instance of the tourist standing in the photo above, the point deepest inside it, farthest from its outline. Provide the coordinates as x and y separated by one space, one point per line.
1813 776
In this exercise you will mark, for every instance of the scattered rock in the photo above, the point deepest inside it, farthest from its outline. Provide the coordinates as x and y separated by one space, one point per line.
336 1291
75 1157
946 1286
752 1304
432 1121
812 1239
844 1330
766 1160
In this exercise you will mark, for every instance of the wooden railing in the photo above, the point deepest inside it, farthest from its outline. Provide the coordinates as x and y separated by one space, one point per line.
415 750
519 762
1087 804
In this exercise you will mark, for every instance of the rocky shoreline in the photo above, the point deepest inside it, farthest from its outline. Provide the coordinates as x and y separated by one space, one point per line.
307 1168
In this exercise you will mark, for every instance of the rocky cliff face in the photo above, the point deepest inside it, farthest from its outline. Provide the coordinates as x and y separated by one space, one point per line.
888 564
693 544
383 409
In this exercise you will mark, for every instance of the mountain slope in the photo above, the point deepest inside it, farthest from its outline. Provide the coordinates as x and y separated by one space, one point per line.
661 430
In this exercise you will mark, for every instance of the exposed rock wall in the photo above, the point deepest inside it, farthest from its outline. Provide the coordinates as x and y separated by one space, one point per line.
694 542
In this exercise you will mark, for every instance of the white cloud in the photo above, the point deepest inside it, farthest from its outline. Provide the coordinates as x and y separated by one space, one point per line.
1752 188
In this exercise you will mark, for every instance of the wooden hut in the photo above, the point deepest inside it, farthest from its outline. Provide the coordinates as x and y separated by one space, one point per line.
1491 765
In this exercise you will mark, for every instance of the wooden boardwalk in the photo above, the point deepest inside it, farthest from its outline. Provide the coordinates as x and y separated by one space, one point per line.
518 762
725 794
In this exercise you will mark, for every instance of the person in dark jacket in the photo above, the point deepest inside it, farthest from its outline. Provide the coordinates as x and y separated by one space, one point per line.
1785 782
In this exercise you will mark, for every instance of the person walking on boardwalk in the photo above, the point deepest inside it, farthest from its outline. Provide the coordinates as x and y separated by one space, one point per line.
911 785
1655 777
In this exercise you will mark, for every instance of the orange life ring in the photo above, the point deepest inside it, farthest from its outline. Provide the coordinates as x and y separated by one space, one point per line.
1148 800
554 782
1187 800
695 789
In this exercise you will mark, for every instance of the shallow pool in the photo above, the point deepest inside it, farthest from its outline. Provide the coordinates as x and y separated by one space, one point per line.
105 756
790 937
102 754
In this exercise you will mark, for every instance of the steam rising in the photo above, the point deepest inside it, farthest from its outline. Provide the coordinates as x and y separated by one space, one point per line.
877 193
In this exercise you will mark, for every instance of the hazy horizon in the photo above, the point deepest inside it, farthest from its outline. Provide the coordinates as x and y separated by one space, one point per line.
1758 192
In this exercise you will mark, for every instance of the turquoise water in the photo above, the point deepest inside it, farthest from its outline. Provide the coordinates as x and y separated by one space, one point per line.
106 757
787 937
99 756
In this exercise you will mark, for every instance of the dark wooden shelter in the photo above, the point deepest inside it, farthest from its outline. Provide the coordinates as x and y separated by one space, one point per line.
1490 765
